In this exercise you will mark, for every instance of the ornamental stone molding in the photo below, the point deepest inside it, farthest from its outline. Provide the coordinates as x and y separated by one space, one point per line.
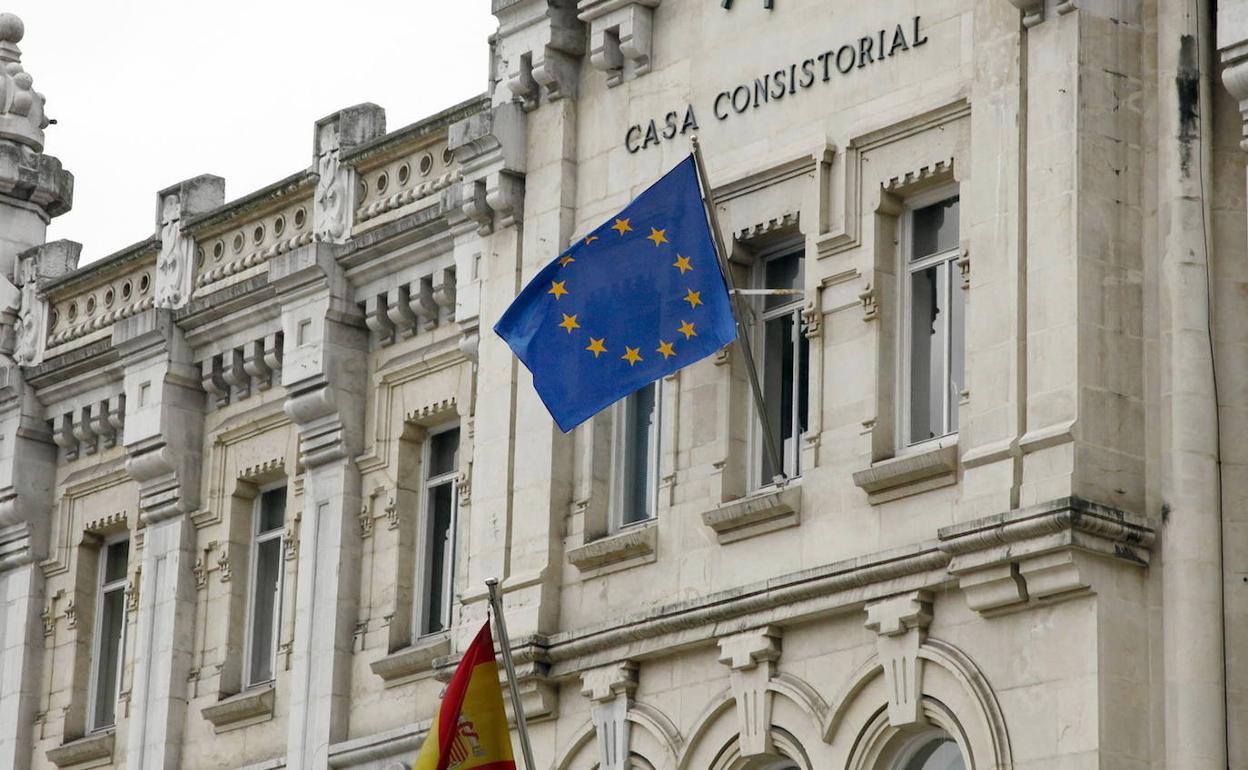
175 265
1232 42
22 117
334 199
34 267
620 36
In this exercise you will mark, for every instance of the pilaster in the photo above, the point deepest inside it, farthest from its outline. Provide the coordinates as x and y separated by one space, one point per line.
164 428
324 373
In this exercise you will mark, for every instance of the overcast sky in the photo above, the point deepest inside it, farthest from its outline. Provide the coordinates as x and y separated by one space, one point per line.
147 93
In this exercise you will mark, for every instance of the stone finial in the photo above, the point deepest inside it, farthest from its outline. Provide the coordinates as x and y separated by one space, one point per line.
22 118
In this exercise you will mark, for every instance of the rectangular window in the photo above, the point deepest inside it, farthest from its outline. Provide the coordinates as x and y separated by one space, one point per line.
784 361
636 477
440 513
269 521
110 620
933 321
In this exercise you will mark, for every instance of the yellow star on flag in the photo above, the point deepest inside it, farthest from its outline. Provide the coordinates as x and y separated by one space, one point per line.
686 329
666 349
558 289
590 239
658 236
622 226
683 264
631 355
694 298
596 346
569 323
565 261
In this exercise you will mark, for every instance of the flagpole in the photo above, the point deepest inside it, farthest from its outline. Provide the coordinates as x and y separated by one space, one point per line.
743 334
522 726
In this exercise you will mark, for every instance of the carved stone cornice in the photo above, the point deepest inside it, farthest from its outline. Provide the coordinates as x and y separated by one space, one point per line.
621 36
541 42
490 148
1234 57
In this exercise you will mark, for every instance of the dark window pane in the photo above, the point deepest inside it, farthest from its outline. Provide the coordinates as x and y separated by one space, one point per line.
273 509
935 228
441 513
444 452
782 273
940 754
116 559
927 354
777 376
264 610
112 624
639 464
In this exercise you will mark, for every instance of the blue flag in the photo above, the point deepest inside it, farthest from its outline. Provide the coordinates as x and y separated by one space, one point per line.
638 298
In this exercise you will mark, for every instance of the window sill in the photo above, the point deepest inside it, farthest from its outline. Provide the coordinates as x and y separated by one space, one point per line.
910 474
627 548
413 660
95 750
764 511
247 708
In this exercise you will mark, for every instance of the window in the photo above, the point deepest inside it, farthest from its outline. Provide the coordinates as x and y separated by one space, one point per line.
935 753
784 361
636 490
268 520
110 615
933 319
441 463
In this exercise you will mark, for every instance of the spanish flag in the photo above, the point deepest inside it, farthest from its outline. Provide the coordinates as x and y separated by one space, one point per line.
470 731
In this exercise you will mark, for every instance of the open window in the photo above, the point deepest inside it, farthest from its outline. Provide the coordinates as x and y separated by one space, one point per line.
266 569
108 650
438 525
783 360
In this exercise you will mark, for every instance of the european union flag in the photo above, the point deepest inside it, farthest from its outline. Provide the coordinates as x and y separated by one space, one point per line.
638 298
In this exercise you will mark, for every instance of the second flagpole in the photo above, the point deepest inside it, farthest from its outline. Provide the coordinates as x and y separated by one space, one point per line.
747 350
504 642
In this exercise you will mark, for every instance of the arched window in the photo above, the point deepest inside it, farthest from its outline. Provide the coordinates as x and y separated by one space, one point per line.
931 751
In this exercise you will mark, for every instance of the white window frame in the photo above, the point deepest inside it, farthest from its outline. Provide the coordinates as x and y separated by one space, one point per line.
103 588
905 269
791 460
621 465
424 564
258 538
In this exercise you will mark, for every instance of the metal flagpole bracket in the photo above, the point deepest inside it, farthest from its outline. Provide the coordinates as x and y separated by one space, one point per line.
738 312
504 642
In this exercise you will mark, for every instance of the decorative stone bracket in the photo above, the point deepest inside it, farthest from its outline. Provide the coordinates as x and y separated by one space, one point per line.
901 622
620 34
334 199
611 688
490 148
542 43
33 267
235 374
403 310
752 656
91 428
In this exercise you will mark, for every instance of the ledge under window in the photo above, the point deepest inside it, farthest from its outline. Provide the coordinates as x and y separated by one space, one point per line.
910 474
764 511
413 660
92 751
247 708
626 548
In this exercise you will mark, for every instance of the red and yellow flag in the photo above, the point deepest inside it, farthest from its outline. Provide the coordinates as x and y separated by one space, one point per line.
470 731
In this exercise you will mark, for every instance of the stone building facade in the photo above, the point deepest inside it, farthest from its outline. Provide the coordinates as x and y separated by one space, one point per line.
256 467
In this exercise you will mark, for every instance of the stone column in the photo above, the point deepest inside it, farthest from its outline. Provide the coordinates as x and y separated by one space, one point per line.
324 374
163 439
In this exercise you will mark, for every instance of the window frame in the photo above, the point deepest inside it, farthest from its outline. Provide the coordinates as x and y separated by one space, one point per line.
623 437
905 269
101 589
760 315
257 538
424 543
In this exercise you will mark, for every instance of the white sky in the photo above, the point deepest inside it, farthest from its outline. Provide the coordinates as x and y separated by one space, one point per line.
147 93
